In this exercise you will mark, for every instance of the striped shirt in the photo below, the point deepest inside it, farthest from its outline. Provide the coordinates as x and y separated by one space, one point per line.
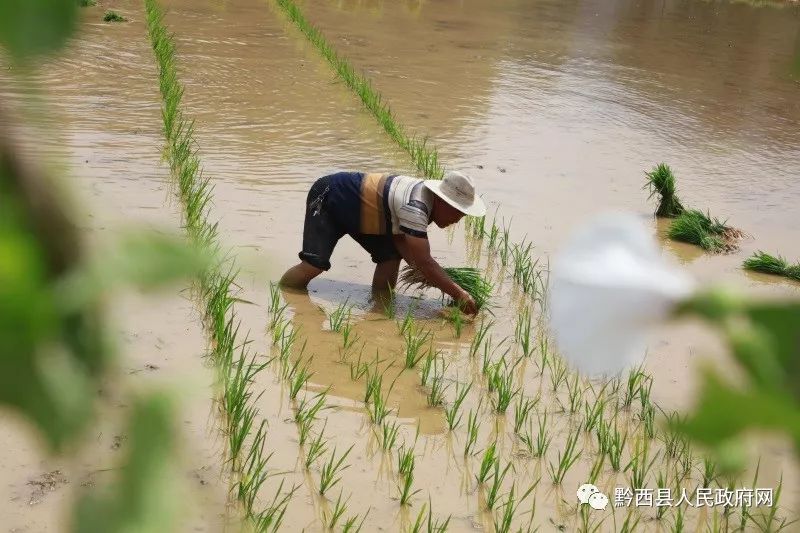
381 204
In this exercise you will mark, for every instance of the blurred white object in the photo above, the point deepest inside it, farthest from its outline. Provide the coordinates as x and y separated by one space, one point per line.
609 284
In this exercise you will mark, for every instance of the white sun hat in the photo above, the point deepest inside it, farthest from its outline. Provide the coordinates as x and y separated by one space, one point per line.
458 190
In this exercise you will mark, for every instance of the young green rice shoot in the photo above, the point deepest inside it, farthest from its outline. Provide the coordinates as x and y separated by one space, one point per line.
566 458
640 464
298 376
405 489
456 318
472 432
522 410
522 331
574 393
388 435
316 447
501 380
480 336
413 342
339 508
490 457
426 522
502 523
339 317
330 474
405 459
538 443
492 493
452 412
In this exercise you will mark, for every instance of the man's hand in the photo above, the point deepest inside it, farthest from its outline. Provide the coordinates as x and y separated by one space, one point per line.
467 303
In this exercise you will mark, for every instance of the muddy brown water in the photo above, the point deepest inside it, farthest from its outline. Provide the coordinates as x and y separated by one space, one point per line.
556 108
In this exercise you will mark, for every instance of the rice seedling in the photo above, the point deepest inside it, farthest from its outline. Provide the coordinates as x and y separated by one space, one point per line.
490 457
298 376
502 523
425 520
413 342
435 396
330 474
429 366
522 410
388 435
494 232
674 442
288 337
329 520
661 182
522 331
597 468
544 352
640 464
390 303
307 412
456 318
275 310
352 525
677 525
574 393
538 445
348 337
405 459
615 446
317 447
636 381
468 278
405 489
113 16
492 493
501 380
558 373
271 518
709 472
593 413
648 417
452 412
472 432
407 322
480 336
566 458
770 264
661 488
632 520
586 523
339 317
695 227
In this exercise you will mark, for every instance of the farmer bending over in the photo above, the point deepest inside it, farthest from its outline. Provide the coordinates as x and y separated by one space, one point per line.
388 216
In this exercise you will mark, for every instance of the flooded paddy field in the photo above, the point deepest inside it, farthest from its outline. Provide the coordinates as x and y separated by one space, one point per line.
556 110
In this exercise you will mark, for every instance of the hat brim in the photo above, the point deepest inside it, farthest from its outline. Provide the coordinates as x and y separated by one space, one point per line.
476 209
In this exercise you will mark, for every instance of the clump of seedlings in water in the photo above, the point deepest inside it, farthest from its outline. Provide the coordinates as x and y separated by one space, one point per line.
340 317
640 464
522 331
502 520
455 316
770 264
405 459
492 493
501 381
558 373
490 457
468 278
388 435
405 488
377 404
390 303
306 414
690 225
661 182
113 16
522 410
316 447
479 338
330 520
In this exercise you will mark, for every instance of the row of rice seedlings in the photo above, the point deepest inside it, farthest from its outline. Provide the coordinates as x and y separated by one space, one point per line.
566 458
770 264
426 159
249 466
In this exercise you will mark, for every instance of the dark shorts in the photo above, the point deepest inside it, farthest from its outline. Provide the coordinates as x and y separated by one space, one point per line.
322 230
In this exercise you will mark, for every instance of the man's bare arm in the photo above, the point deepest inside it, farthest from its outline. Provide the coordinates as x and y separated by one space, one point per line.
417 252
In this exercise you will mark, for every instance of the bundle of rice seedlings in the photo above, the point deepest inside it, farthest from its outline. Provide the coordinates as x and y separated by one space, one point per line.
696 227
661 181
770 264
468 278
